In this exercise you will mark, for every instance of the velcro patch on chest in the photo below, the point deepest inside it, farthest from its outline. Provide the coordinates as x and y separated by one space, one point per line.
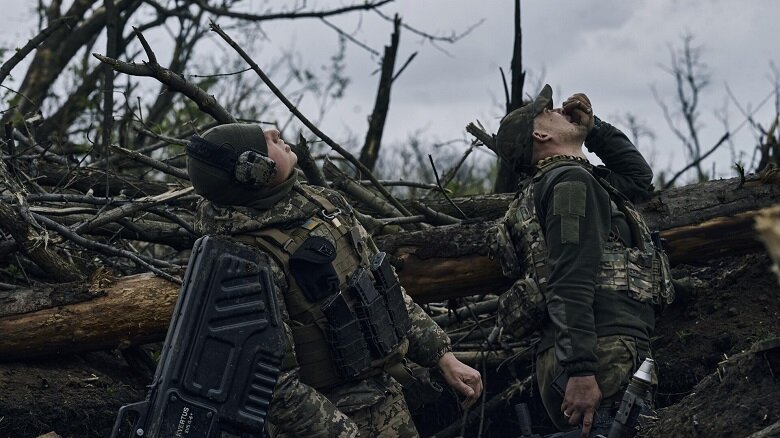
569 203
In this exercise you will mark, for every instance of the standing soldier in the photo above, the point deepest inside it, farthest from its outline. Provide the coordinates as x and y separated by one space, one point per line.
586 270
349 325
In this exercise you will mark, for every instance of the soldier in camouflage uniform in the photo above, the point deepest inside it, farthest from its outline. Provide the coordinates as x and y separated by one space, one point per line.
345 355
586 272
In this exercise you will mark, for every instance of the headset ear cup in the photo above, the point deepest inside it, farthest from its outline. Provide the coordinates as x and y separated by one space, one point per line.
254 169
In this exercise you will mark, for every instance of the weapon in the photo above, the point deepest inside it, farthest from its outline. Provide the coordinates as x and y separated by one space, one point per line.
625 421
633 401
221 356
524 421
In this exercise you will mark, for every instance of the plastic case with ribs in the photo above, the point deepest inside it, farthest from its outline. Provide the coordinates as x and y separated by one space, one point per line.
221 356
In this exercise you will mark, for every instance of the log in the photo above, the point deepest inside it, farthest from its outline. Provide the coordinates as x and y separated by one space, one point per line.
434 264
26 300
445 262
132 310
667 209
700 222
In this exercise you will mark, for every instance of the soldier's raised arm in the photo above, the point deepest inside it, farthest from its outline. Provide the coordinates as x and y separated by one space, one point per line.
624 166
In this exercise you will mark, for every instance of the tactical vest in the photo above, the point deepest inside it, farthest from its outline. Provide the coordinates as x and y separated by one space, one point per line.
325 357
642 272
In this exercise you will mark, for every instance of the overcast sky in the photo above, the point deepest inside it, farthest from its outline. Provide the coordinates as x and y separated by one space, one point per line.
611 50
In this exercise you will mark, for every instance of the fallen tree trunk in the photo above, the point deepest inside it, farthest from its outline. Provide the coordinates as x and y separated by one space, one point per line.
434 264
133 310
699 222
667 209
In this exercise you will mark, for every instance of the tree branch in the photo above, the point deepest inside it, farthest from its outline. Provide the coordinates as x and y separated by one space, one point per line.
307 164
28 239
306 121
144 262
376 124
224 12
206 102
151 162
129 208
20 54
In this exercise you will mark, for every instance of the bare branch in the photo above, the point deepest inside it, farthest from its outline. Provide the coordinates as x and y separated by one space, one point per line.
450 175
20 54
28 234
151 162
306 121
480 134
351 38
130 208
357 191
369 153
145 262
451 38
696 162
206 102
307 164
436 174
224 12
401 183
434 217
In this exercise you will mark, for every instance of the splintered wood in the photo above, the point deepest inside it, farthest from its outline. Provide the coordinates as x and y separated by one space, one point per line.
768 226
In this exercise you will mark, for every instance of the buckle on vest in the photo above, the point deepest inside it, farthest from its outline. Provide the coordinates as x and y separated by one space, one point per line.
330 216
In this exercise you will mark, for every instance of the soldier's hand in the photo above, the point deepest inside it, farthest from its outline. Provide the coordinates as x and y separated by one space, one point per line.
580 401
578 107
462 378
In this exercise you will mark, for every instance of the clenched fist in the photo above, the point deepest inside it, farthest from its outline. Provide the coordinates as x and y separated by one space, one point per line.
579 109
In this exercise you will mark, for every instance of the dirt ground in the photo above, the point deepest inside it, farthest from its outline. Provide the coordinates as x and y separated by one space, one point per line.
718 354
718 364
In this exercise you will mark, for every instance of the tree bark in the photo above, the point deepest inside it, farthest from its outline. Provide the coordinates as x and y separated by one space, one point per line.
376 125
670 208
506 179
133 310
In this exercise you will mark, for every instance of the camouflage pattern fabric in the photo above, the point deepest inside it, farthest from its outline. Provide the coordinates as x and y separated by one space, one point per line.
643 274
522 308
619 357
390 418
298 409
255 169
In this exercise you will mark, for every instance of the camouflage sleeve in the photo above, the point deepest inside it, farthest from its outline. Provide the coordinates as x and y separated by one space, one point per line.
628 170
427 341
298 409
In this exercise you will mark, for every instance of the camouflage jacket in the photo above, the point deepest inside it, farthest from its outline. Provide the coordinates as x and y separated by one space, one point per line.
298 409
